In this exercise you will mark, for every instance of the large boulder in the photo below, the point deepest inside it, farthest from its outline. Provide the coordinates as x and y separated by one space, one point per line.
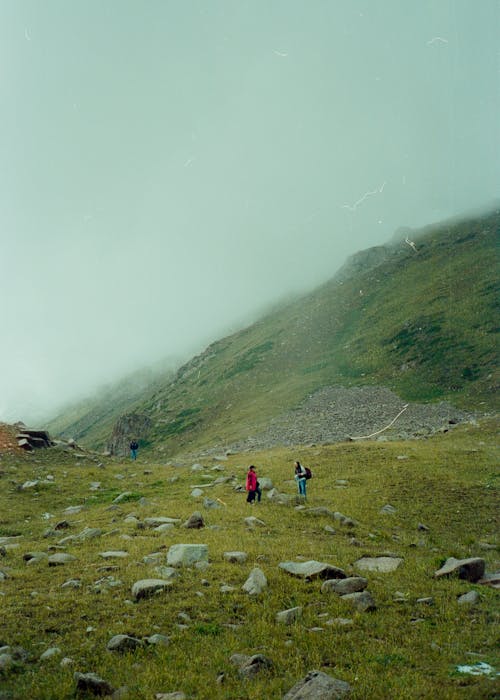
187 554
468 569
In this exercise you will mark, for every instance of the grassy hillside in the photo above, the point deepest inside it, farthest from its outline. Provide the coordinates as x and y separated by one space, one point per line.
405 648
423 323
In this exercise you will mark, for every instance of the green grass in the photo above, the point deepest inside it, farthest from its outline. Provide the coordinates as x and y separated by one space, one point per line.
401 650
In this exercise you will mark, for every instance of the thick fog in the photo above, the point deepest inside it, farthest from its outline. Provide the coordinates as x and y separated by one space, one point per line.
171 167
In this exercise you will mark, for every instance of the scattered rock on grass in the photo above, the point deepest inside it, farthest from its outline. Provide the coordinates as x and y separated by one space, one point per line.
235 557
288 617
362 601
318 686
469 569
148 587
92 683
382 564
312 569
250 666
195 521
122 642
60 558
187 554
353 584
470 598
256 582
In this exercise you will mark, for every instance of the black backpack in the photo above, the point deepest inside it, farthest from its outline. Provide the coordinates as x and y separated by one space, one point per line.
308 473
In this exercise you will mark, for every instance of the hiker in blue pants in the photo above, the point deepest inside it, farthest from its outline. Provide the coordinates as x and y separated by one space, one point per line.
134 446
300 478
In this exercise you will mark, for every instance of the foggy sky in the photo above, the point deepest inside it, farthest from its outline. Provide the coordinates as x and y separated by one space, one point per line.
169 167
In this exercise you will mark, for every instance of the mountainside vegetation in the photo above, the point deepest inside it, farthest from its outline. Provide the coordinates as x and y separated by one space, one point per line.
418 316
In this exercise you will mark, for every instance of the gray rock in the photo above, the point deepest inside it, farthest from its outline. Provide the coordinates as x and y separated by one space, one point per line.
158 640
362 601
312 569
35 557
256 582
164 528
288 617
388 509
492 580
50 653
283 499
176 695
196 493
153 558
353 584
166 572
235 557
123 497
382 564
60 558
344 520
195 521
73 510
469 569
122 643
209 503
156 522
470 598
265 483
187 554
252 522
88 533
318 686
149 587
118 554
72 583
92 683
250 666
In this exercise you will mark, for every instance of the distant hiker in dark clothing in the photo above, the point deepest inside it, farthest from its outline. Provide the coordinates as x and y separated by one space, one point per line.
134 446
300 478
252 486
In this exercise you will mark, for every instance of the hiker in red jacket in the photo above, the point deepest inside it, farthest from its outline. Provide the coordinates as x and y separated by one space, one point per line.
252 485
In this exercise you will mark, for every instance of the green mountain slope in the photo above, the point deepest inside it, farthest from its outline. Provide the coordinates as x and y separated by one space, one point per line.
421 320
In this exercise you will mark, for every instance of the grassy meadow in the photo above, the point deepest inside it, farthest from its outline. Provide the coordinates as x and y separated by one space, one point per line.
403 649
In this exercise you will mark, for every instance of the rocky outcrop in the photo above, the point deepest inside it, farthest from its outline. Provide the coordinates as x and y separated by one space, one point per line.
134 426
